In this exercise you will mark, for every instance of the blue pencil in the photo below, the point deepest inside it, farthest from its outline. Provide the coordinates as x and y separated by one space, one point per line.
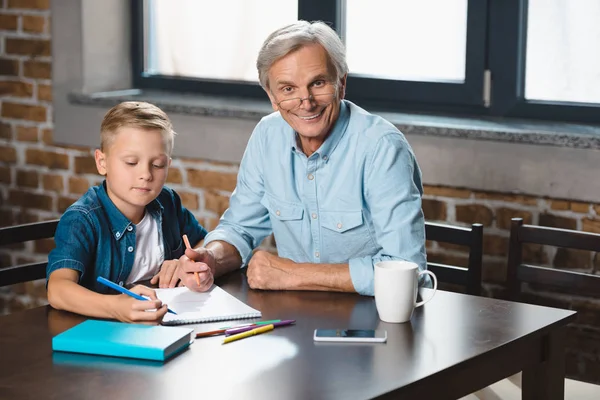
121 289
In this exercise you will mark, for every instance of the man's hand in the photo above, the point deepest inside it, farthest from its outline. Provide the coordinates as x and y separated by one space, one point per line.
268 271
167 277
200 261
128 309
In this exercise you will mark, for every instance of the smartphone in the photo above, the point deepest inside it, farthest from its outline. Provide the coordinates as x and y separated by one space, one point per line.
350 335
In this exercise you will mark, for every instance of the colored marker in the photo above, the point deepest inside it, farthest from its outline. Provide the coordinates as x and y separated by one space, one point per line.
234 331
255 331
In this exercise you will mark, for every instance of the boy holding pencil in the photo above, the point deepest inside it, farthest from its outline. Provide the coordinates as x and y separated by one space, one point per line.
127 229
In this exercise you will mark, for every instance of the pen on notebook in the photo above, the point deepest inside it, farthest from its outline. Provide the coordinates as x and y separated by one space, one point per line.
255 331
234 331
121 289
189 246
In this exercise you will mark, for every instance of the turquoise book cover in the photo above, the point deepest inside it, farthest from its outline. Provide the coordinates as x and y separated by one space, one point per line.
118 339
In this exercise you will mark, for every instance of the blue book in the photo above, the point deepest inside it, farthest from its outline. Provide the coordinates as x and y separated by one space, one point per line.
123 340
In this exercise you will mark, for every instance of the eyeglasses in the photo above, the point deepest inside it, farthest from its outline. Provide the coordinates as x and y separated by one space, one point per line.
321 99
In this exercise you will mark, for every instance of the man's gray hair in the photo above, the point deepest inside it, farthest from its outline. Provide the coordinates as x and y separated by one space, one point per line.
291 38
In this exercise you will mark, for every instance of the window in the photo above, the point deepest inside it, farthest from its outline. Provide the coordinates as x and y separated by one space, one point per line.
521 58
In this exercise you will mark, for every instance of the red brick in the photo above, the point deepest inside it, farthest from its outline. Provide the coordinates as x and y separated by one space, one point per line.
5 131
27 217
9 22
504 216
37 69
47 136
441 191
212 179
78 185
85 165
44 92
65 202
30 4
8 154
474 213
53 182
215 202
33 23
27 133
49 159
23 111
44 246
573 259
495 245
189 200
583 208
9 67
448 259
30 200
16 89
590 225
514 198
535 254
28 47
559 205
27 178
174 176
5 175
434 210
556 221
209 223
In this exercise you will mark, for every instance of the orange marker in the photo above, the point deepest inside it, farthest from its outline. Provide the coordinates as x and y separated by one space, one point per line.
187 245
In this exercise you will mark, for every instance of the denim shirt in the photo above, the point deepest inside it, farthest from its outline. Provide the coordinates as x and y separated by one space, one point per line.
356 200
94 238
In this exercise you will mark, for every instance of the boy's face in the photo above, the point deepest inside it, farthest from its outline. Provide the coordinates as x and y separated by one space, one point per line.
135 166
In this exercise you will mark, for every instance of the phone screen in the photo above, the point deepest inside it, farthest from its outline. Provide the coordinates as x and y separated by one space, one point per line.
349 333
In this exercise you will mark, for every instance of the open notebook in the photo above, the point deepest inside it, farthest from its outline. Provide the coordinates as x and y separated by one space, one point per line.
213 305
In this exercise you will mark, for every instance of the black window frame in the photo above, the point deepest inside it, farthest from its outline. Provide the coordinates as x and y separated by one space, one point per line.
496 42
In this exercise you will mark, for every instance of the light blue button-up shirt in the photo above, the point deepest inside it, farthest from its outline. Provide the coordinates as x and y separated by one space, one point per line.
356 200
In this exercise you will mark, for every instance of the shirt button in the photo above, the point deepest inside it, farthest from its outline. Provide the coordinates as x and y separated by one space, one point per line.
130 228
118 234
310 177
317 254
314 216
339 225
278 212
325 158
130 249
121 283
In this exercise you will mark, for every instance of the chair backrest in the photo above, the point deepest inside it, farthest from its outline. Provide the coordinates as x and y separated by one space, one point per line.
568 281
24 233
469 277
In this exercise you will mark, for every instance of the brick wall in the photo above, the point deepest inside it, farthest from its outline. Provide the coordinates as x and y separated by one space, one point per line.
39 180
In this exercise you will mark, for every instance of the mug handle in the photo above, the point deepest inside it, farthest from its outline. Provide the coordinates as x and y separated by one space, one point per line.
419 304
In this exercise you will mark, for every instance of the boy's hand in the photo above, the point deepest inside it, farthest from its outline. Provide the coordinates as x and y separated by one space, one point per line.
128 309
200 261
167 277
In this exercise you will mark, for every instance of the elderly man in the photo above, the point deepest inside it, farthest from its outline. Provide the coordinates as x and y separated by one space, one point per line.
339 187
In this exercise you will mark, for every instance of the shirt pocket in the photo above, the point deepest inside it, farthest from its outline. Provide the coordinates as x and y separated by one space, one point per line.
287 224
345 235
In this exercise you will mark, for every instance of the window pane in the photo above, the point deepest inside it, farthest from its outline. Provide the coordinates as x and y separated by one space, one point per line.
212 39
563 51
424 40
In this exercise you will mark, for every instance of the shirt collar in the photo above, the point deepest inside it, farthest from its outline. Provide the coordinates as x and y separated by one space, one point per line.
339 128
118 222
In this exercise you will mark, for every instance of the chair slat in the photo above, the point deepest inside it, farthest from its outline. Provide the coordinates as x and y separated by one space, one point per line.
449 273
559 237
571 281
22 273
27 232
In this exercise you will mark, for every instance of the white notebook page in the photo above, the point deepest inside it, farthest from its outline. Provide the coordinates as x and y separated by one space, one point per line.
212 305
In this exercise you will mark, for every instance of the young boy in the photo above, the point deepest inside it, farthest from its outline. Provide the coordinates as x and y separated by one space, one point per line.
127 229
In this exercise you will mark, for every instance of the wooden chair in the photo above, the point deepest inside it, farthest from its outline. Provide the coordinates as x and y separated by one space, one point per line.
472 238
565 281
24 233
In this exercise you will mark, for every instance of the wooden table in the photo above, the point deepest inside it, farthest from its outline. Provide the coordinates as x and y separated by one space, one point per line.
453 346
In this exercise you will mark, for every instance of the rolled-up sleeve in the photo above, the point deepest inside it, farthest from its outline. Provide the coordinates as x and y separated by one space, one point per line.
246 222
393 191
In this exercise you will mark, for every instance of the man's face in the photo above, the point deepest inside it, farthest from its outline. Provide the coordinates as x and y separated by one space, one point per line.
300 74
135 164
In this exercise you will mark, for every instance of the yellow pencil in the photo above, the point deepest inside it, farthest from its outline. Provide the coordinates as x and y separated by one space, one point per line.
246 334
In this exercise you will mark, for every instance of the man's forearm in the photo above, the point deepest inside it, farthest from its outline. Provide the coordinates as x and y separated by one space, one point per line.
325 277
227 258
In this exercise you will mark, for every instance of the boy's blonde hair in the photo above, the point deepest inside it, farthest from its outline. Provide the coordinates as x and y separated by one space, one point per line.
136 114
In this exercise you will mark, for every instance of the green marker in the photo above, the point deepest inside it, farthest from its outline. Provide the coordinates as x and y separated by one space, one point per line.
253 323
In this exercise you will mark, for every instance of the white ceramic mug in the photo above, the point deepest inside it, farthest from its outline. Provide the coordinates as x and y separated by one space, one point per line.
396 288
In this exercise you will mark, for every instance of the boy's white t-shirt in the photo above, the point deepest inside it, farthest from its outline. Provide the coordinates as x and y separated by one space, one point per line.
149 250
